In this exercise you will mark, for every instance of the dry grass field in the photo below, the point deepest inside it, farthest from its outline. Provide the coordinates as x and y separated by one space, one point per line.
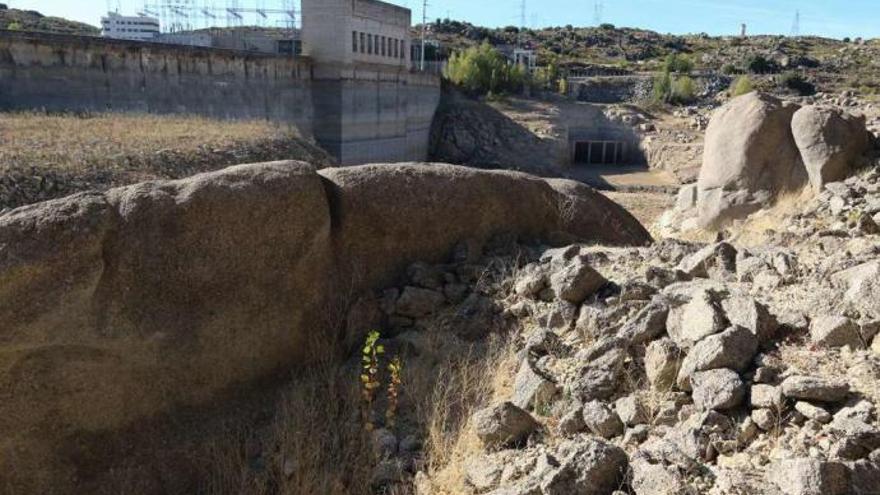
48 156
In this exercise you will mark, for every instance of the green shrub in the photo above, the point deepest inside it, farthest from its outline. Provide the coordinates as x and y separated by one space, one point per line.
662 87
483 70
684 90
14 26
680 64
730 69
606 26
675 90
758 64
742 85
795 82
563 86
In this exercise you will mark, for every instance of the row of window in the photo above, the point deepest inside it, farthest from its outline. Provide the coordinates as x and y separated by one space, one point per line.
373 44
153 31
130 23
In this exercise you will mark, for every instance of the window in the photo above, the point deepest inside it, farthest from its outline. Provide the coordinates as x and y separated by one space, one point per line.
370 44
363 45
403 49
354 41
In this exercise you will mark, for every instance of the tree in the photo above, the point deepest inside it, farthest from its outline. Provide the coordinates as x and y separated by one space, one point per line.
483 70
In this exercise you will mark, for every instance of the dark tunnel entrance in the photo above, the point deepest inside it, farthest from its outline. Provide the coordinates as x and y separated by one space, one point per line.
600 153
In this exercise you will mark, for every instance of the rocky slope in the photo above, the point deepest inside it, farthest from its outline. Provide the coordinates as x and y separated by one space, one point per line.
122 306
31 20
720 368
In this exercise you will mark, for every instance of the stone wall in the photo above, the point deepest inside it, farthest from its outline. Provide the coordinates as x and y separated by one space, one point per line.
610 89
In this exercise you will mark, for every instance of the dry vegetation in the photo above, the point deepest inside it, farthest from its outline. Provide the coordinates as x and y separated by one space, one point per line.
48 156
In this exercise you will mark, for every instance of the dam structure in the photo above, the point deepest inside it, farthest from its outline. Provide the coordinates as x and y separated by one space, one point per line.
353 89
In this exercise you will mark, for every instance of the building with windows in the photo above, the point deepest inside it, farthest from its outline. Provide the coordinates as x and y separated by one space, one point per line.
374 106
138 28
356 31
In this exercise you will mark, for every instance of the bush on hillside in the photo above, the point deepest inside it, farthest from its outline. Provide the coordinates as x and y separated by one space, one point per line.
483 70
684 90
680 64
730 69
678 90
795 82
758 64
662 87
742 85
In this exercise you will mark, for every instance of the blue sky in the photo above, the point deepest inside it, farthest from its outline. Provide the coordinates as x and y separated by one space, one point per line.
834 18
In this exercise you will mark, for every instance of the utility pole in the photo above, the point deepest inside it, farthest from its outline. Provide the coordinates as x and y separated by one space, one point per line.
424 27
522 22
598 7
796 26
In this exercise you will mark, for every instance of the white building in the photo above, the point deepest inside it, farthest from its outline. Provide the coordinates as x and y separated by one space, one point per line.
356 31
139 28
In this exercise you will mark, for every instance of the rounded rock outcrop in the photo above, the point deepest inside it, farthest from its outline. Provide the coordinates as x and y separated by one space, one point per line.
750 158
830 141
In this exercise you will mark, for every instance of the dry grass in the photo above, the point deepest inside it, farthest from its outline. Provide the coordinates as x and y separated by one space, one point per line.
45 156
754 230
470 381
647 207
315 443
70 142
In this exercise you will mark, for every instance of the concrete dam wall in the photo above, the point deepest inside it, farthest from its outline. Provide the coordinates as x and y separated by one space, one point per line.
359 112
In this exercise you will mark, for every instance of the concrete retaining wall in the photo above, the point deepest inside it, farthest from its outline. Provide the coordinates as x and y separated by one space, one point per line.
372 114
361 113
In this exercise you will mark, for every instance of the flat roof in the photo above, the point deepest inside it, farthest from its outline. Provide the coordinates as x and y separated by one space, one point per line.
388 5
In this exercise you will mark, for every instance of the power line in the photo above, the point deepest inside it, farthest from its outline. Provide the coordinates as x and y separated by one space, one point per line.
424 27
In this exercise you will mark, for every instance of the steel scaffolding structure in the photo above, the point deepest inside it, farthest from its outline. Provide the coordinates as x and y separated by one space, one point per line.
188 15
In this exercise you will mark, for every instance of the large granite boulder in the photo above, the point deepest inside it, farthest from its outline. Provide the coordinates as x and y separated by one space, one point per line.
144 299
750 158
831 143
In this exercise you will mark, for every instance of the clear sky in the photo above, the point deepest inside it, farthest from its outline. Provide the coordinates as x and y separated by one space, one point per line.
833 18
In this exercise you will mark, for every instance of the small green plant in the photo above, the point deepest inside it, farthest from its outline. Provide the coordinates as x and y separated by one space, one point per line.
14 26
370 380
395 382
563 86
742 85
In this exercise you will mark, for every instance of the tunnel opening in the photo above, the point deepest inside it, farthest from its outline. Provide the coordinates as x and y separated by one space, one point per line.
600 153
